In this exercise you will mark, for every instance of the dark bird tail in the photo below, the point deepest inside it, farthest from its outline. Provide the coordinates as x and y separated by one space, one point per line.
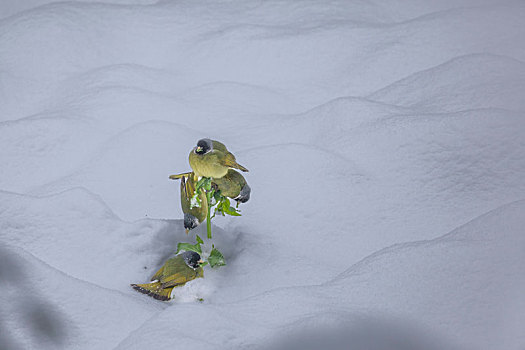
154 290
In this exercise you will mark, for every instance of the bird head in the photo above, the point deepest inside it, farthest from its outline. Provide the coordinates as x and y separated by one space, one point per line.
192 259
190 222
203 146
244 195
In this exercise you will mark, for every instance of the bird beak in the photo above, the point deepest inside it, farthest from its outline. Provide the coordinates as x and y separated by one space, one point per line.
187 230
198 149
201 261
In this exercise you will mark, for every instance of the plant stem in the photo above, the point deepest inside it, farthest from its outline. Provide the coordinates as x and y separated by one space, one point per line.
208 215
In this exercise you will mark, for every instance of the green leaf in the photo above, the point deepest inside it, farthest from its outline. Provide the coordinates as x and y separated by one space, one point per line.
233 212
216 258
223 205
198 239
203 183
189 247
207 184
200 183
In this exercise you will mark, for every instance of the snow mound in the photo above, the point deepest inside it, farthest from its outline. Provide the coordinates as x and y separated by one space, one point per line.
9 8
476 269
348 113
467 82
41 149
75 232
52 310
152 144
181 37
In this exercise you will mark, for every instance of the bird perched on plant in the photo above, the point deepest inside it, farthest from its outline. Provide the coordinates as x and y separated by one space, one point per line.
194 205
233 185
212 159
175 272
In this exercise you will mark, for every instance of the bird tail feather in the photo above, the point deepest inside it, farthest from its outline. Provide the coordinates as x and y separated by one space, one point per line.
240 167
179 176
154 290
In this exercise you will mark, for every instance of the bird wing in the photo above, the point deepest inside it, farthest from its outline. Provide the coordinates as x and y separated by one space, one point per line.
187 187
158 274
229 161
190 185
176 279
183 187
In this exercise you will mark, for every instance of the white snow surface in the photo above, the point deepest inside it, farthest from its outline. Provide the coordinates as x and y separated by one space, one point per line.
386 148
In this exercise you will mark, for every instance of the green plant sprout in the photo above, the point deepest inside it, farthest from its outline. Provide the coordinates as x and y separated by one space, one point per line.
221 205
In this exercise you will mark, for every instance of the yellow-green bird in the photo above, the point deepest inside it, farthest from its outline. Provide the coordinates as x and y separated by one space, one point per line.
233 185
194 209
212 159
175 272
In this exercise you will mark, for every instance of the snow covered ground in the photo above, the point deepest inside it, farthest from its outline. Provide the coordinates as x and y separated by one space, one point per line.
386 148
